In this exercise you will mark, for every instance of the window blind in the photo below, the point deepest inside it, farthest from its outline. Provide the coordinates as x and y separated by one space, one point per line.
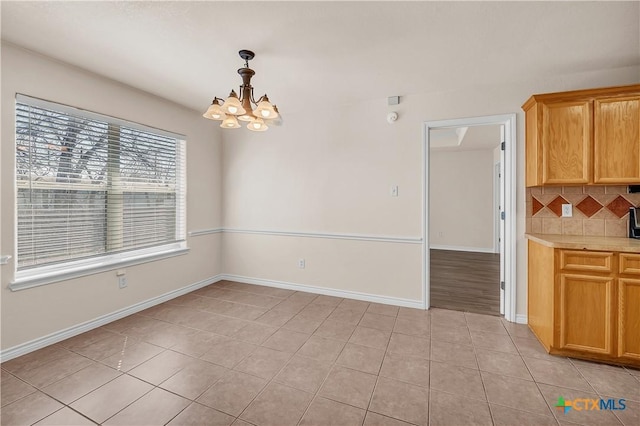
91 185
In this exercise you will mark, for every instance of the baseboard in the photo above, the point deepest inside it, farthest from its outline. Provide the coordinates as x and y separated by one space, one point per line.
521 319
459 248
61 335
387 300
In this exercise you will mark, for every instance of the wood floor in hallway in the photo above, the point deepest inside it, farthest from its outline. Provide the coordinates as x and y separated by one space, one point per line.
465 281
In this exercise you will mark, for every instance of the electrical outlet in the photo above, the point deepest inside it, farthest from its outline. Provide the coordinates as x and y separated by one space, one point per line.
567 210
301 263
122 281
440 234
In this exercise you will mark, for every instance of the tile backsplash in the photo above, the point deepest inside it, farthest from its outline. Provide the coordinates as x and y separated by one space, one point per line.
597 210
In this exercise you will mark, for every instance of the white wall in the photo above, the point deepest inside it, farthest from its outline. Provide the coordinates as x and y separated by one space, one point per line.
461 205
33 313
330 172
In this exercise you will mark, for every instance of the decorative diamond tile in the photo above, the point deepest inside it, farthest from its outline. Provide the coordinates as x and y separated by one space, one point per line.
619 206
556 205
589 206
536 205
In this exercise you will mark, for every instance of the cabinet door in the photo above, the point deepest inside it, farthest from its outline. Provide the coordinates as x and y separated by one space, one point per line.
617 140
586 316
566 142
629 318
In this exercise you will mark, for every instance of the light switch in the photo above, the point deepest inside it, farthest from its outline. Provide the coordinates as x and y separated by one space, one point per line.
394 190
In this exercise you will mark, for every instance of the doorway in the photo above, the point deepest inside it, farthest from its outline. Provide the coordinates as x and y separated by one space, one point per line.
449 232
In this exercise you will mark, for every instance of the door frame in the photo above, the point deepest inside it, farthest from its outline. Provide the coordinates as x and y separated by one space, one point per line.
497 207
509 122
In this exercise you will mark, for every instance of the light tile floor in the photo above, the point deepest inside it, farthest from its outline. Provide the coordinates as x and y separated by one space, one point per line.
241 354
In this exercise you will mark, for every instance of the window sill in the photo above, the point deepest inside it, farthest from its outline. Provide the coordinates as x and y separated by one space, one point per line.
57 273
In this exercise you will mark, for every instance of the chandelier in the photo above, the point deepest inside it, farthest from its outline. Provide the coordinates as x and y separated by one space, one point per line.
236 107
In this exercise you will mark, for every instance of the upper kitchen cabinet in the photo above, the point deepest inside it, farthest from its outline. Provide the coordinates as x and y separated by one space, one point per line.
616 141
583 137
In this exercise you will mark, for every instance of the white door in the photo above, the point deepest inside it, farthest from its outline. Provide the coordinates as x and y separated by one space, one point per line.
497 176
502 221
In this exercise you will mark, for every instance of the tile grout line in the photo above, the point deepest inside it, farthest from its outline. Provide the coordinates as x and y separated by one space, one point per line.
475 354
333 364
165 349
177 372
508 334
599 394
384 356
397 317
94 362
283 367
551 412
125 407
553 415
260 345
41 389
192 401
158 385
75 411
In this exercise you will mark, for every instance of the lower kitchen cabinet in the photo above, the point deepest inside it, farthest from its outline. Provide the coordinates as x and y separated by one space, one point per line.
585 304
629 323
586 317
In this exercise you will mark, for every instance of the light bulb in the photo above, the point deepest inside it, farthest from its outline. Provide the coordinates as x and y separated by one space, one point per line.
232 109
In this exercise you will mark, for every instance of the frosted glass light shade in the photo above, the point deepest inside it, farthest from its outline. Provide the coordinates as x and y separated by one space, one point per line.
265 110
232 105
257 125
230 122
215 111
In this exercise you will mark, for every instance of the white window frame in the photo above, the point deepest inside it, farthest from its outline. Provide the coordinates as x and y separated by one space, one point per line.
47 274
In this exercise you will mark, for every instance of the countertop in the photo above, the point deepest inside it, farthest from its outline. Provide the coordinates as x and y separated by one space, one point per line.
579 242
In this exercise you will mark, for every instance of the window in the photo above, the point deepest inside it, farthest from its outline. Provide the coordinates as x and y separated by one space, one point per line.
93 190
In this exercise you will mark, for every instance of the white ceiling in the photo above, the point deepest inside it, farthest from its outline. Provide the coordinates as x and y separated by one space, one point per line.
331 52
